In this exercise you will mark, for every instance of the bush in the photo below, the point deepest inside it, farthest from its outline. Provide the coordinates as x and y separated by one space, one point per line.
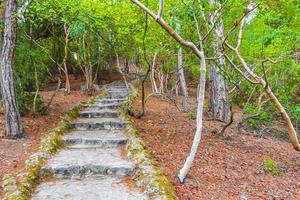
26 102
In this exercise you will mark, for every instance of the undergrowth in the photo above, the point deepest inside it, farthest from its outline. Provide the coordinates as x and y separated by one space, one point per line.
269 165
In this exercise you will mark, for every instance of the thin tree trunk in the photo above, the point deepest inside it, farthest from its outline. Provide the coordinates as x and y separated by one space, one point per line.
218 103
110 63
162 77
154 86
185 98
197 138
67 86
13 125
90 82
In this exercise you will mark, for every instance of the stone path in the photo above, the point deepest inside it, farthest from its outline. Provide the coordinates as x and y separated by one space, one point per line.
92 167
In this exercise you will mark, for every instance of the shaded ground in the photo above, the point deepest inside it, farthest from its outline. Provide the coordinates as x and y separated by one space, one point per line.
13 153
223 169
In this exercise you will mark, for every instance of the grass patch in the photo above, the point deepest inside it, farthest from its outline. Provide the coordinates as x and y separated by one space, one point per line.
269 165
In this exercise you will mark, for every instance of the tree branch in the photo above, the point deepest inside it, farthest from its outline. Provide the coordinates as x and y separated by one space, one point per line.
160 10
169 29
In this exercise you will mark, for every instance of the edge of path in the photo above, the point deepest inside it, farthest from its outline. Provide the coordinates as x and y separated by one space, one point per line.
147 174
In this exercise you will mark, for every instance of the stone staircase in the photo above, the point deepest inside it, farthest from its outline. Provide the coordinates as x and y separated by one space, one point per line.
92 167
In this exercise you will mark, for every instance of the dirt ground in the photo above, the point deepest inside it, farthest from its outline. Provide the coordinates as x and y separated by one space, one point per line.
13 153
224 168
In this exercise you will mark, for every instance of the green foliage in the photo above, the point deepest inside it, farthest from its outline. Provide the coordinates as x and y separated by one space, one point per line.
26 100
270 165
98 28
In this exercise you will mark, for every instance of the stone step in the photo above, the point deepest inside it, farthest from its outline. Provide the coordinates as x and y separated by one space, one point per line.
102 188
101 106
99 124
78 163
108 101
117 95
104 113
111 97
116 86
96 139
117 89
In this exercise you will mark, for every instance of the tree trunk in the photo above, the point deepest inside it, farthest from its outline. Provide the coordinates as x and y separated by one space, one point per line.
185 98
218 103
110 63
13 125
90 81
67 86
197 138
154 86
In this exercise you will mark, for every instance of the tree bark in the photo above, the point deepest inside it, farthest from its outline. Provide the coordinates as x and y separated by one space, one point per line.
13 125
154 86
185 98
110 70
67 86
218 103
197 138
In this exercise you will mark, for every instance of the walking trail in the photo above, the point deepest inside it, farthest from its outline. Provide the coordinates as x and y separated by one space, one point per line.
92 166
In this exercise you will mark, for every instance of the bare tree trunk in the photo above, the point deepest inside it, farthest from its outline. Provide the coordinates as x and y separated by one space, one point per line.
13 125
154 86
162 78
110 63
185 98
218 103
68 86
90 81
197 138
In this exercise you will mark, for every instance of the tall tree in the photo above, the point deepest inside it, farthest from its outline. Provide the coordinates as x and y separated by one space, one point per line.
13 126
218 103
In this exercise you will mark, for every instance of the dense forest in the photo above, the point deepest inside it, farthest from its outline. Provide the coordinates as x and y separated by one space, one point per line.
212 59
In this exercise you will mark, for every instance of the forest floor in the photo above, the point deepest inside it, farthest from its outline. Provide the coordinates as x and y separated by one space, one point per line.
224 168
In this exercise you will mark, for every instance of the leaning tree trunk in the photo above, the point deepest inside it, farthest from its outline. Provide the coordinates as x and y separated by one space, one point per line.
185 98
218 104
197 138
13 126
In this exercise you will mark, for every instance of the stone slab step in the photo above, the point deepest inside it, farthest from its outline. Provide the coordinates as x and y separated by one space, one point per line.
116 95
77 163
101 106
96 139
100 124
116 87
104 113
111 97
105 188
108 101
